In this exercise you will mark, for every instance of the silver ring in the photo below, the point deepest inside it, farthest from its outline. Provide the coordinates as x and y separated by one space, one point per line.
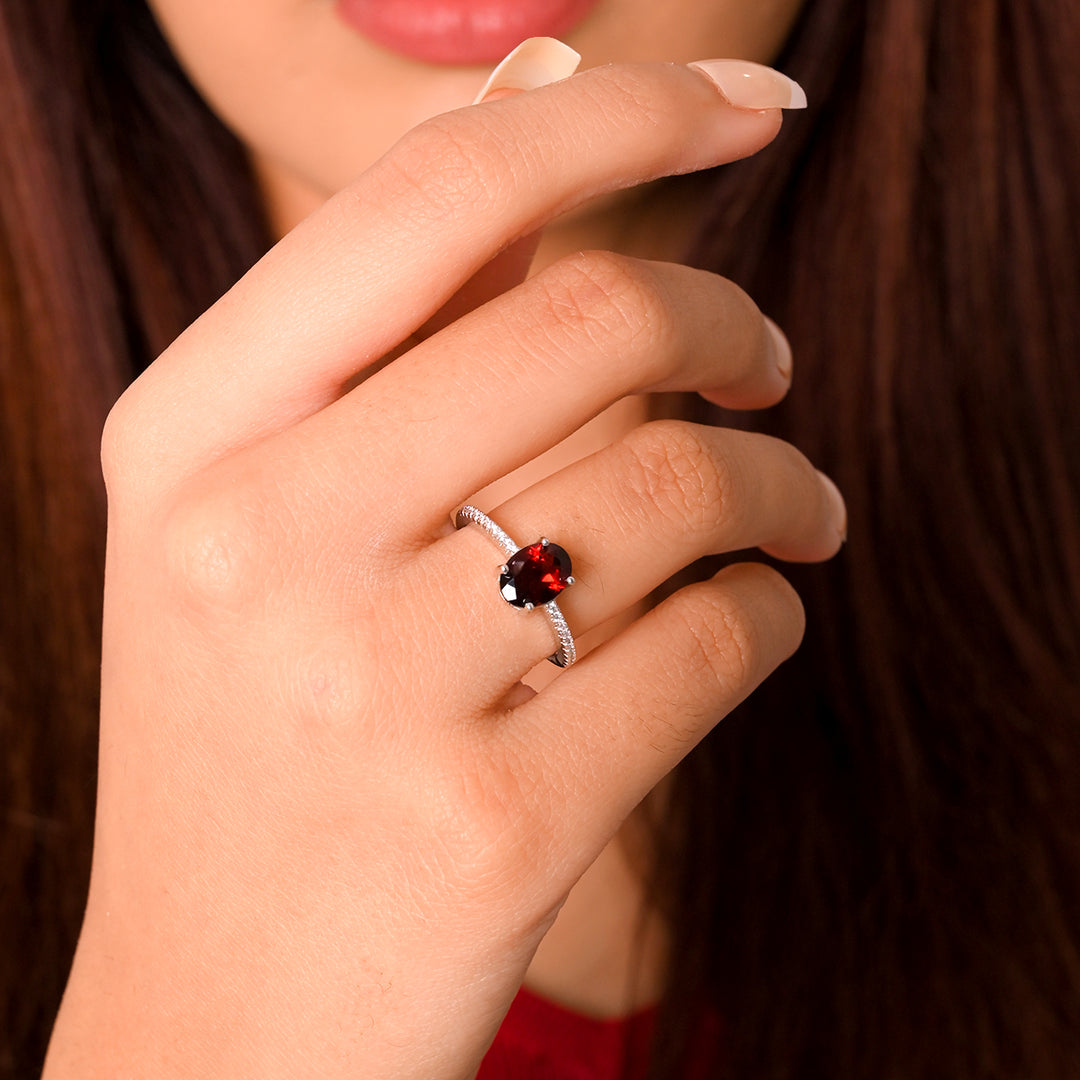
531 577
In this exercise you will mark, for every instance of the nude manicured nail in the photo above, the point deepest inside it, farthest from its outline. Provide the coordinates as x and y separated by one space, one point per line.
747 85
781 348
535 62
837 504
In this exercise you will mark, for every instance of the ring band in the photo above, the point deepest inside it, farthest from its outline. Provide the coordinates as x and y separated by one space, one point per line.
531 577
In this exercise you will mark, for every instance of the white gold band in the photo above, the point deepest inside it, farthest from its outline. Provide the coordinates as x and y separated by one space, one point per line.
566 653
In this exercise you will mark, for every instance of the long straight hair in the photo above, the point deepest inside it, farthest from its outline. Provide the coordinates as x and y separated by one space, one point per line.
125 210
880 870
872 868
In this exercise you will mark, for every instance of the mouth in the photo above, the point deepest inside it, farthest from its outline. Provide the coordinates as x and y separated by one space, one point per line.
460 31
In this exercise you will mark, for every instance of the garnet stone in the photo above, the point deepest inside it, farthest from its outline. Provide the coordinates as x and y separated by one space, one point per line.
535 575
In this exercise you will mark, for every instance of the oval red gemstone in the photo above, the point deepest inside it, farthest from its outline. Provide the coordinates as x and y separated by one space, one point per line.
535 575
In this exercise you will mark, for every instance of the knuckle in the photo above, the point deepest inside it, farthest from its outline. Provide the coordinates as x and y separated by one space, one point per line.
610 299
451 163
217 554
720 638
680 477
734 630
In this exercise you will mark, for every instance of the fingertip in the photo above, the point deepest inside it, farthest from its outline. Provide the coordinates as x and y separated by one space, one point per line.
770 373
837 507
823 529
779 349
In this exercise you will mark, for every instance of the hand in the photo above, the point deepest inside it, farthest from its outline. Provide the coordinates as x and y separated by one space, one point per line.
327 844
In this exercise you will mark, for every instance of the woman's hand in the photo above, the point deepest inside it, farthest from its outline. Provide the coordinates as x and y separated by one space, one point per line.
328 842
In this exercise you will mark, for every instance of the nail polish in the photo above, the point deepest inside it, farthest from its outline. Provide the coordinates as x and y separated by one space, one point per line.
534 63
747 85
781 348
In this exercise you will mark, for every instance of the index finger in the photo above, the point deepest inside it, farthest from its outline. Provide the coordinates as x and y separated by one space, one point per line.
380 257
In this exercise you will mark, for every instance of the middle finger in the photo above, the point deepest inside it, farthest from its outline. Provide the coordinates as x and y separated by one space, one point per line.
510 380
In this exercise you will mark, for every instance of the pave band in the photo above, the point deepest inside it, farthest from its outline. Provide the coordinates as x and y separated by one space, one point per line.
531 577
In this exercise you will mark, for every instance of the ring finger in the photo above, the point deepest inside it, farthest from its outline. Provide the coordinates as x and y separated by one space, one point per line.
631 516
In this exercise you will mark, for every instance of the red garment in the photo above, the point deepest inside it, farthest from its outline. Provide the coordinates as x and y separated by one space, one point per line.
540 1040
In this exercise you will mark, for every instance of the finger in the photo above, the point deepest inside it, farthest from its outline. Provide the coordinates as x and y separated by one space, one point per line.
610 728
509 268
507 382
630 517
382 256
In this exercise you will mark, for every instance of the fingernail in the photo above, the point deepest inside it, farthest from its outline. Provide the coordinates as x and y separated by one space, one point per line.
535 62
781 348
747 85
837 505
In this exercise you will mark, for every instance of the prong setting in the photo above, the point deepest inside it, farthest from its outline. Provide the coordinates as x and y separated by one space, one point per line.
531 577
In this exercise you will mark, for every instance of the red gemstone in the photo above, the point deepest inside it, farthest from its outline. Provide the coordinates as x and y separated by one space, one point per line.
535 575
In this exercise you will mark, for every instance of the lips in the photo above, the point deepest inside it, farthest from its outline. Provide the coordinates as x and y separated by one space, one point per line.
460 31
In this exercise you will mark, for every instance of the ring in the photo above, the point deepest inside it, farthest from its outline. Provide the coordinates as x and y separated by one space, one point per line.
530 578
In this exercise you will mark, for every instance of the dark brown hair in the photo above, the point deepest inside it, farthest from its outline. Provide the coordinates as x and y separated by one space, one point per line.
875 864
884 876
125 210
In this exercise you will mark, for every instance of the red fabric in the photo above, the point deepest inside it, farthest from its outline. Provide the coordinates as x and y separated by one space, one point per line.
540 1040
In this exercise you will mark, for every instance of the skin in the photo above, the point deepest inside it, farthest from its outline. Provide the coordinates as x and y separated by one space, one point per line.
317 822
268 67
236 54
297 84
